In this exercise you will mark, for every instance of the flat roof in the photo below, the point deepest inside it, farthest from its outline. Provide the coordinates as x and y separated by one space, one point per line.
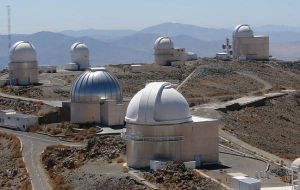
202 119
20 115
7 111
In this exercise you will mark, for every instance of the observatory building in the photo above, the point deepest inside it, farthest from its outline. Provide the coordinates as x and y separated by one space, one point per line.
165 53
23 65
159 126
245 45
96 97
80 58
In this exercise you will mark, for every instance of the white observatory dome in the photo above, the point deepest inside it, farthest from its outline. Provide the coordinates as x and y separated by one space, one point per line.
296 165
22 51
243 30
163 43
158 103
79 51
94 85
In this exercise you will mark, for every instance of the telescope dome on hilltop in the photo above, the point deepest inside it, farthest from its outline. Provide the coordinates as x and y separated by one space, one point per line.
22 51
80 55
23 65
243 30
163 43
95 85
158 103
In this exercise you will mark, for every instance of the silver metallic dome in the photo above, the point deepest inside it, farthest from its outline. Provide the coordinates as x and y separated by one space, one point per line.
95 85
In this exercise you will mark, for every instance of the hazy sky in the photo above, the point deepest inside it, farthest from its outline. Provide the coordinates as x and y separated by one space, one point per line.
55 15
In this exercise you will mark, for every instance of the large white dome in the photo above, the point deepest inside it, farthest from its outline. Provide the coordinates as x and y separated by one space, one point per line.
158 103
163 43
243 30
22 51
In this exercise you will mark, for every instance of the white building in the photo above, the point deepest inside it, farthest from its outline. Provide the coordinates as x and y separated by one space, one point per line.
96 97
80 57
23 65
13 120
245 45
159 126
165 53
295 166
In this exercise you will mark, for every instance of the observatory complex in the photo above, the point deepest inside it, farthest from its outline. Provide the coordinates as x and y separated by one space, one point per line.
80 58
23 65
159 126
245 45
165 53
96 97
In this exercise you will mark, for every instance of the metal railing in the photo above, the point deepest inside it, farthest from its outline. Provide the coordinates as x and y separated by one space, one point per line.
151 139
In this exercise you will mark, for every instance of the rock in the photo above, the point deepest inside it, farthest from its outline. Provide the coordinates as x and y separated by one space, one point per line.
70 164
12 173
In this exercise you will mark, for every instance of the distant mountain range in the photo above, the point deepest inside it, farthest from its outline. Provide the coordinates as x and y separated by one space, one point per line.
130 46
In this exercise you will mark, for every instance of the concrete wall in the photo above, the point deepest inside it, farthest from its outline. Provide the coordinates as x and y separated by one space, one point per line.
112 114
166 56
199 142
85 112
256 48
23 73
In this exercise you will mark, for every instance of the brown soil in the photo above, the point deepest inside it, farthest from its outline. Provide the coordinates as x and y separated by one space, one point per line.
274 127
134 82
25 107
68 131
62 163
13 173
175 176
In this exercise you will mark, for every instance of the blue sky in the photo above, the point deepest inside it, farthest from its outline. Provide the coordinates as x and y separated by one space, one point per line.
30 16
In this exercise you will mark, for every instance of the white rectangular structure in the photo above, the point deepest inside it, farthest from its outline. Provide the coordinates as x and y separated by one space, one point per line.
235 182
190 165
13 120
245 183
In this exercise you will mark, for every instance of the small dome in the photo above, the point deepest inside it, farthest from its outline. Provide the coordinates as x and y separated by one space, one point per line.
296 165
94 85
79 51
163 43
158 103
243 30
78 46
22 51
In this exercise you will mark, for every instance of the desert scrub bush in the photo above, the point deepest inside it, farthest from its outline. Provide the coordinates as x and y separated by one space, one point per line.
92 130
120 160
125 169
55 131
26 185
16 151
59 183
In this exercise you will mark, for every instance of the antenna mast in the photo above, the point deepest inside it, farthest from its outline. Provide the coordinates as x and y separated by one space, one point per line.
8 27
